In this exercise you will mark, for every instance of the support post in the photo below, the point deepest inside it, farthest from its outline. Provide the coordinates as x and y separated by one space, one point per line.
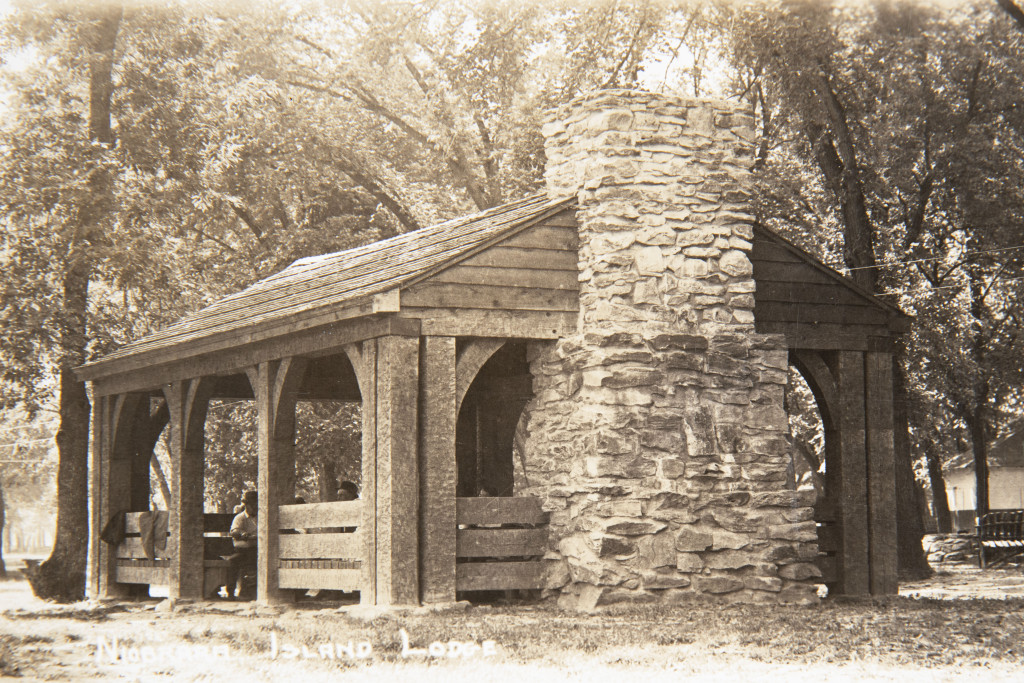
854 559
187 403
275 385
437 469
397 473
881 464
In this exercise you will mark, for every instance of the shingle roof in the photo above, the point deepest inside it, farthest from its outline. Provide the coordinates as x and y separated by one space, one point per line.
1006 452
343 277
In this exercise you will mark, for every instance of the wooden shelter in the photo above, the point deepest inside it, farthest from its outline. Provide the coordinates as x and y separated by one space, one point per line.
407 326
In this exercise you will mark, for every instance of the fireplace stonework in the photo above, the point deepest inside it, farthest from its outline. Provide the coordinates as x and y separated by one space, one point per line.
657 436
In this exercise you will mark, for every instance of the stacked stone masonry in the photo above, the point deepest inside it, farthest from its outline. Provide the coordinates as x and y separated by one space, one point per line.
657 436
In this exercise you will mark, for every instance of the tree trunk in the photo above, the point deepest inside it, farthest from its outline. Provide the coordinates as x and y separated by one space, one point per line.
940 501
327 480
62 576
3 532
980 449
911 560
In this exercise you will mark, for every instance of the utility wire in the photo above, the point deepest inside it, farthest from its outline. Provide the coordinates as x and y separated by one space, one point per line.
892 264
931 289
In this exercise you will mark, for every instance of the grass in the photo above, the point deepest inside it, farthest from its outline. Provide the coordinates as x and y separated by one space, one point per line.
891 639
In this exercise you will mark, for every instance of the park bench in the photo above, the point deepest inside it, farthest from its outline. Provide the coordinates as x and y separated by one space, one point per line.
1000 533
134 566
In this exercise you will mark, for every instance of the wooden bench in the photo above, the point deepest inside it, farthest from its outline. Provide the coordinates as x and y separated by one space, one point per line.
134 566
1000 532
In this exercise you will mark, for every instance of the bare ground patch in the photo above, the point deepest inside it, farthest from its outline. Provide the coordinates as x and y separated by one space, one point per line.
891 639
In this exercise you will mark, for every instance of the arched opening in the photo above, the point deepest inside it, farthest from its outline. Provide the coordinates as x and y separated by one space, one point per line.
486 427
810 402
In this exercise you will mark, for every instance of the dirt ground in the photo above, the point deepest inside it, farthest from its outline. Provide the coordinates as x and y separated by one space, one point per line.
963 624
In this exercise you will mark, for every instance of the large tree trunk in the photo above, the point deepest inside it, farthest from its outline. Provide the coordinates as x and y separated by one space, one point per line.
62 576
911 560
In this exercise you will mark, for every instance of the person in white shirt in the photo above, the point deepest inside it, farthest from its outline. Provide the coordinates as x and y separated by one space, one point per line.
243 537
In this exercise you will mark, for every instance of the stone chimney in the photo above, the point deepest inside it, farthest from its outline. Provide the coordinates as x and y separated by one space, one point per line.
657 437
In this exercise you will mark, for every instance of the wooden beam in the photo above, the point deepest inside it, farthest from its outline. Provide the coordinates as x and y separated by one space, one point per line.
275 385
151 371
881 473
187 403
438 411
397 471
364 360
854 558
462 322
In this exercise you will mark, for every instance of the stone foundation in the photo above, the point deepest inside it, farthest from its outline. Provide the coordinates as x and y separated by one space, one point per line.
657 437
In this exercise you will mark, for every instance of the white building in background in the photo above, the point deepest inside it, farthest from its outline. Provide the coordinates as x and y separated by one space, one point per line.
1005 479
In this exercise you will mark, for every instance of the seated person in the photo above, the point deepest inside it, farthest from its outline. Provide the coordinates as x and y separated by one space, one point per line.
243 536
347 490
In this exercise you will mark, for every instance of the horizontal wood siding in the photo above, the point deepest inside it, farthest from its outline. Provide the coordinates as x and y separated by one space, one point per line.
499 543
532 271
339 513
324 549
801 300
491 576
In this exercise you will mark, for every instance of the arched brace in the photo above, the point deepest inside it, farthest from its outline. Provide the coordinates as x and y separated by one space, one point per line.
124 418
468 365
359 359
187 403
820 379
281 379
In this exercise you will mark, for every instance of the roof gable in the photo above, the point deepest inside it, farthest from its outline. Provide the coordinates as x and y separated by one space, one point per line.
340 280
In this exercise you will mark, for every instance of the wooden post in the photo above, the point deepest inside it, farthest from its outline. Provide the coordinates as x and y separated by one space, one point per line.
437 469
187 402
397 473
364 362
275 385
854 559
881 466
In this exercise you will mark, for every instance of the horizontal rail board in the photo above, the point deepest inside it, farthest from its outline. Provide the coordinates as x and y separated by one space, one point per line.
324 579
484 576
500 542
131 522
462 322
320 564
545 237
509 277
347 513
320 546
519 257
494 510
446 295
820 313
150 575
131 547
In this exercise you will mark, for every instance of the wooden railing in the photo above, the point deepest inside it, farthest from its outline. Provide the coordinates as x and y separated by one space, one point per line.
133 565
500 543
320 546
